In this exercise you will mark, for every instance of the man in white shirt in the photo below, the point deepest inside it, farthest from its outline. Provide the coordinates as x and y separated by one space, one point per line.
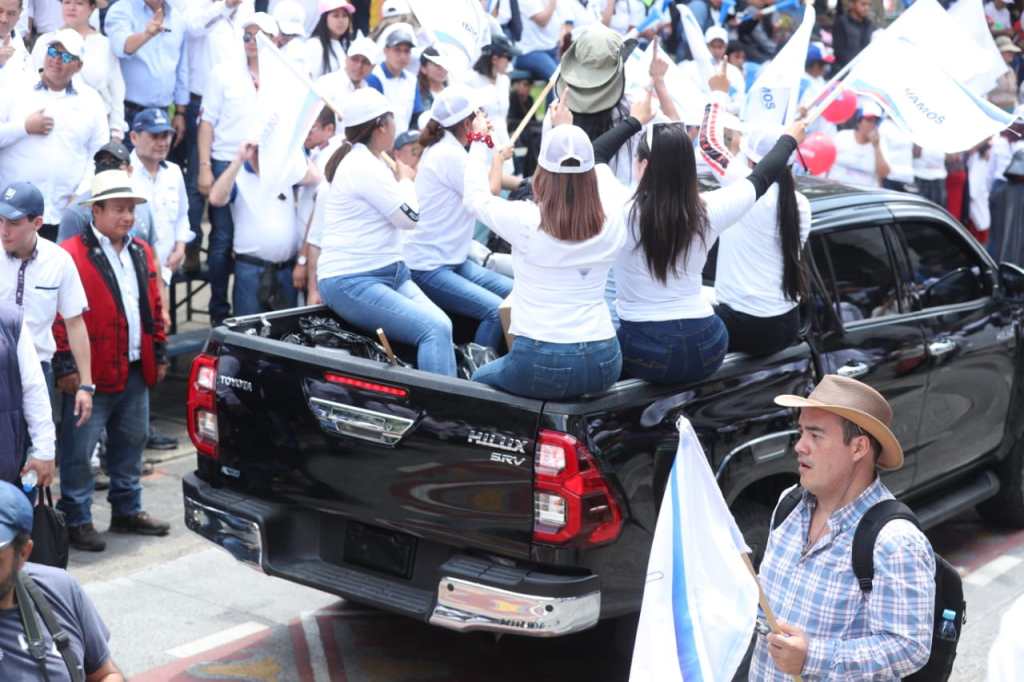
41 279
717 39
391 79
363 55
15 61
50 129
859 156
160 181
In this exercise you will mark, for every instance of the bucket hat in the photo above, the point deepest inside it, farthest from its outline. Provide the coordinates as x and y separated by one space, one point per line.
593 68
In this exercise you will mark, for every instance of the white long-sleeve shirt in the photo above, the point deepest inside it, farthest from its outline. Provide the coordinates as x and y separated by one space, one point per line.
35 399
168 200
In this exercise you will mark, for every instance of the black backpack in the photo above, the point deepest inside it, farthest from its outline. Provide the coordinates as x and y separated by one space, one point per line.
949 590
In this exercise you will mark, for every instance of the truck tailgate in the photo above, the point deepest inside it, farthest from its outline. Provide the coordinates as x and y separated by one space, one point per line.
433 457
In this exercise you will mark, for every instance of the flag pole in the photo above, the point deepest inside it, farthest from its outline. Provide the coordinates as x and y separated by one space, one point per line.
832 90
536 105
769 615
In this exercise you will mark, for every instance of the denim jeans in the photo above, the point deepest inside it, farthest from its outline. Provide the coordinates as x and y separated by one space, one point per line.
219 259
673 351
245 294
125 416
541 64
554 371
196 201
387 298
470 290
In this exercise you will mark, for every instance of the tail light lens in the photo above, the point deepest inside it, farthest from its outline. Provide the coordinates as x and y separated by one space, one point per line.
202 404
571 500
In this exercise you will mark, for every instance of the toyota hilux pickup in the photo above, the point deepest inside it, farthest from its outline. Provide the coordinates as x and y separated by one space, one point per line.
324 462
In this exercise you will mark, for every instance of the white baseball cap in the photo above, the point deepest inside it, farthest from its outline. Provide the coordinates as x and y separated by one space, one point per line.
365 104
72 41
394 8
563 145
263 22
453 104
363 46
290 17
716 33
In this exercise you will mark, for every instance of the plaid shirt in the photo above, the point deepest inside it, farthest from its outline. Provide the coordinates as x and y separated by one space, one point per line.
883 635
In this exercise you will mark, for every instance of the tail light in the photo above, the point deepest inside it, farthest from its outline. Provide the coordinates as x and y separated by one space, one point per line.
202 404
571 499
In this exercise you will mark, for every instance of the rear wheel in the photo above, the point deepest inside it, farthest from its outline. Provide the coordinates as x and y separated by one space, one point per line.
753 519
1007 508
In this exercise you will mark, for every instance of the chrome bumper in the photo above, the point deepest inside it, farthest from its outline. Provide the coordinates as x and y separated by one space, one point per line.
465 606
240 537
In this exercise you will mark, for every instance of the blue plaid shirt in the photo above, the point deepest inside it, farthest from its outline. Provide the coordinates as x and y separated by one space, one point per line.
883 635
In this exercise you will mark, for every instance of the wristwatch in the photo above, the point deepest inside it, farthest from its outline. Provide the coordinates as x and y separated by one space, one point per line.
301 260
88 388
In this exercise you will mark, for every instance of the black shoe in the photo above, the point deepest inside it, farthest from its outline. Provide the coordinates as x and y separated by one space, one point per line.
140 524
86 538
158 441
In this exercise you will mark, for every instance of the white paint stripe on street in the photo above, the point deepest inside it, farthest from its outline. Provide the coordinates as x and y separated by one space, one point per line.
992 570
216 639
317 657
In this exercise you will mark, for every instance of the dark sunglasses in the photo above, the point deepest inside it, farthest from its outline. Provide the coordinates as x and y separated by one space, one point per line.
65 57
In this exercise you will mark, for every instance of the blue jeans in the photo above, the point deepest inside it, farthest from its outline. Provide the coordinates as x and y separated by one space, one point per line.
554 371
245 293
196 201
673 351
387 298
219 258
125 416
541 64
470 290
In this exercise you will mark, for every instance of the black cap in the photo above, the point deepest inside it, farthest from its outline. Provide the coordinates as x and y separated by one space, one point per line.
115 149
501 46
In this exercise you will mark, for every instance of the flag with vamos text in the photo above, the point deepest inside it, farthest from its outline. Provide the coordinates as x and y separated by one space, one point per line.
700 600
772 101
288 106
457 27
917 70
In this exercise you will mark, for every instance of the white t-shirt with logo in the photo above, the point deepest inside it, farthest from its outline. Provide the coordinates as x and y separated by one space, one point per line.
855 162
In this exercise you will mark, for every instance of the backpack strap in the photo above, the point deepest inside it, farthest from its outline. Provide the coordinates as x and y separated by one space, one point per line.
33 636
786 505
870 525
60 638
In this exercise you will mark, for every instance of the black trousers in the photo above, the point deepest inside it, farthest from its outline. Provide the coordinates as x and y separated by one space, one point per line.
759 335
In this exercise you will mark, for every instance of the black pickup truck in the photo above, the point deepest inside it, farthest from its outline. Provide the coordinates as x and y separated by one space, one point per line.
462 506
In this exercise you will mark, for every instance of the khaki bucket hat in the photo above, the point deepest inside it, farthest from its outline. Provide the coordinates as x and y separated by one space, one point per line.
593 68
859 403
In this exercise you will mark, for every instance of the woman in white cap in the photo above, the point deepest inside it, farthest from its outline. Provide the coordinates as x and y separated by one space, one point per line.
360 271
327 46
100 68
438 250
668 332
565 343
760 277
432 77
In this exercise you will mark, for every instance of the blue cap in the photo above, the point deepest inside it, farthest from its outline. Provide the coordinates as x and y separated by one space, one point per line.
408 137
15 513
815 54
21 199
151 120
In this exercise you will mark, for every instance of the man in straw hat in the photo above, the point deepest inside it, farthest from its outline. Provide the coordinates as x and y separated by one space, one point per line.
129 355
830 628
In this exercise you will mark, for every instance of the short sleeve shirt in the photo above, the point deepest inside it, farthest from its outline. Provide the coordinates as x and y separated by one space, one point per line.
855 162
76 616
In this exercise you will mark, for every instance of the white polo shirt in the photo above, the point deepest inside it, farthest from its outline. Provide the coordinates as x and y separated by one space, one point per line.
401 93
128 283
44 285
229 105
265 226
168 201
54 163
445 227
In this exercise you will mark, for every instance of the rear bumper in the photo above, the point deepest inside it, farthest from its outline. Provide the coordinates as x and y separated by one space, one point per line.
449 590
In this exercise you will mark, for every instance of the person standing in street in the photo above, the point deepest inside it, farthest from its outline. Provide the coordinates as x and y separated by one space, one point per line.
851 32
121 280
830 629
860 159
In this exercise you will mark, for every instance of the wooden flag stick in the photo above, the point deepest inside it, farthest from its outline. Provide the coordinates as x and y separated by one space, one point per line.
536 105
769 615
387 346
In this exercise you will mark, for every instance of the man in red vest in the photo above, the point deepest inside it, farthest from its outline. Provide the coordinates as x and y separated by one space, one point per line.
128 344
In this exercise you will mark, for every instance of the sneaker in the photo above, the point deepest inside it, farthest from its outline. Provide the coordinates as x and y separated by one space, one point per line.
101 480
140 524
86 538
158 441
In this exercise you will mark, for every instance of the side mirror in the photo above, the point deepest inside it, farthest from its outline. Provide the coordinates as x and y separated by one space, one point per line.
954 287
1011 278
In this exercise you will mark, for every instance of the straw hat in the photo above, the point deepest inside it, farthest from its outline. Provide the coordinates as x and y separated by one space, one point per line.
113 184
859 403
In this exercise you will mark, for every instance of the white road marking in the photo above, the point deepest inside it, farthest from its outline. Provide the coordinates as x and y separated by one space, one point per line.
217 639
317 657
992 570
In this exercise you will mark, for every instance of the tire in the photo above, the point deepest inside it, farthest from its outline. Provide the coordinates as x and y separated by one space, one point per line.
1007 508
754 519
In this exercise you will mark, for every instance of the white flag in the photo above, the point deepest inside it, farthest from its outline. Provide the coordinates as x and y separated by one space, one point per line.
969 15
917 70
288 106
700 601
681 82
456 27
698 48
772 101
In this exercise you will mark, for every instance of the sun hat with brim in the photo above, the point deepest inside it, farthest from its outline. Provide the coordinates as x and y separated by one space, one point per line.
1005 44
859 403
71 40
325 6
15 514
113 184
365 104
566 149
453 104
593 68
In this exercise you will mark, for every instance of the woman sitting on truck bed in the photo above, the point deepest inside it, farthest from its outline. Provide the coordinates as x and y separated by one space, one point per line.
360 272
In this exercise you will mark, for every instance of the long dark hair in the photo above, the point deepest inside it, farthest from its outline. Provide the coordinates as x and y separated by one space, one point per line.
433 132
323 34
668 213
794 274
353 136
598 123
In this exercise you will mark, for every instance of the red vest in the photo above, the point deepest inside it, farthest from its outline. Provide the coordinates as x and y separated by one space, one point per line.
105 319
